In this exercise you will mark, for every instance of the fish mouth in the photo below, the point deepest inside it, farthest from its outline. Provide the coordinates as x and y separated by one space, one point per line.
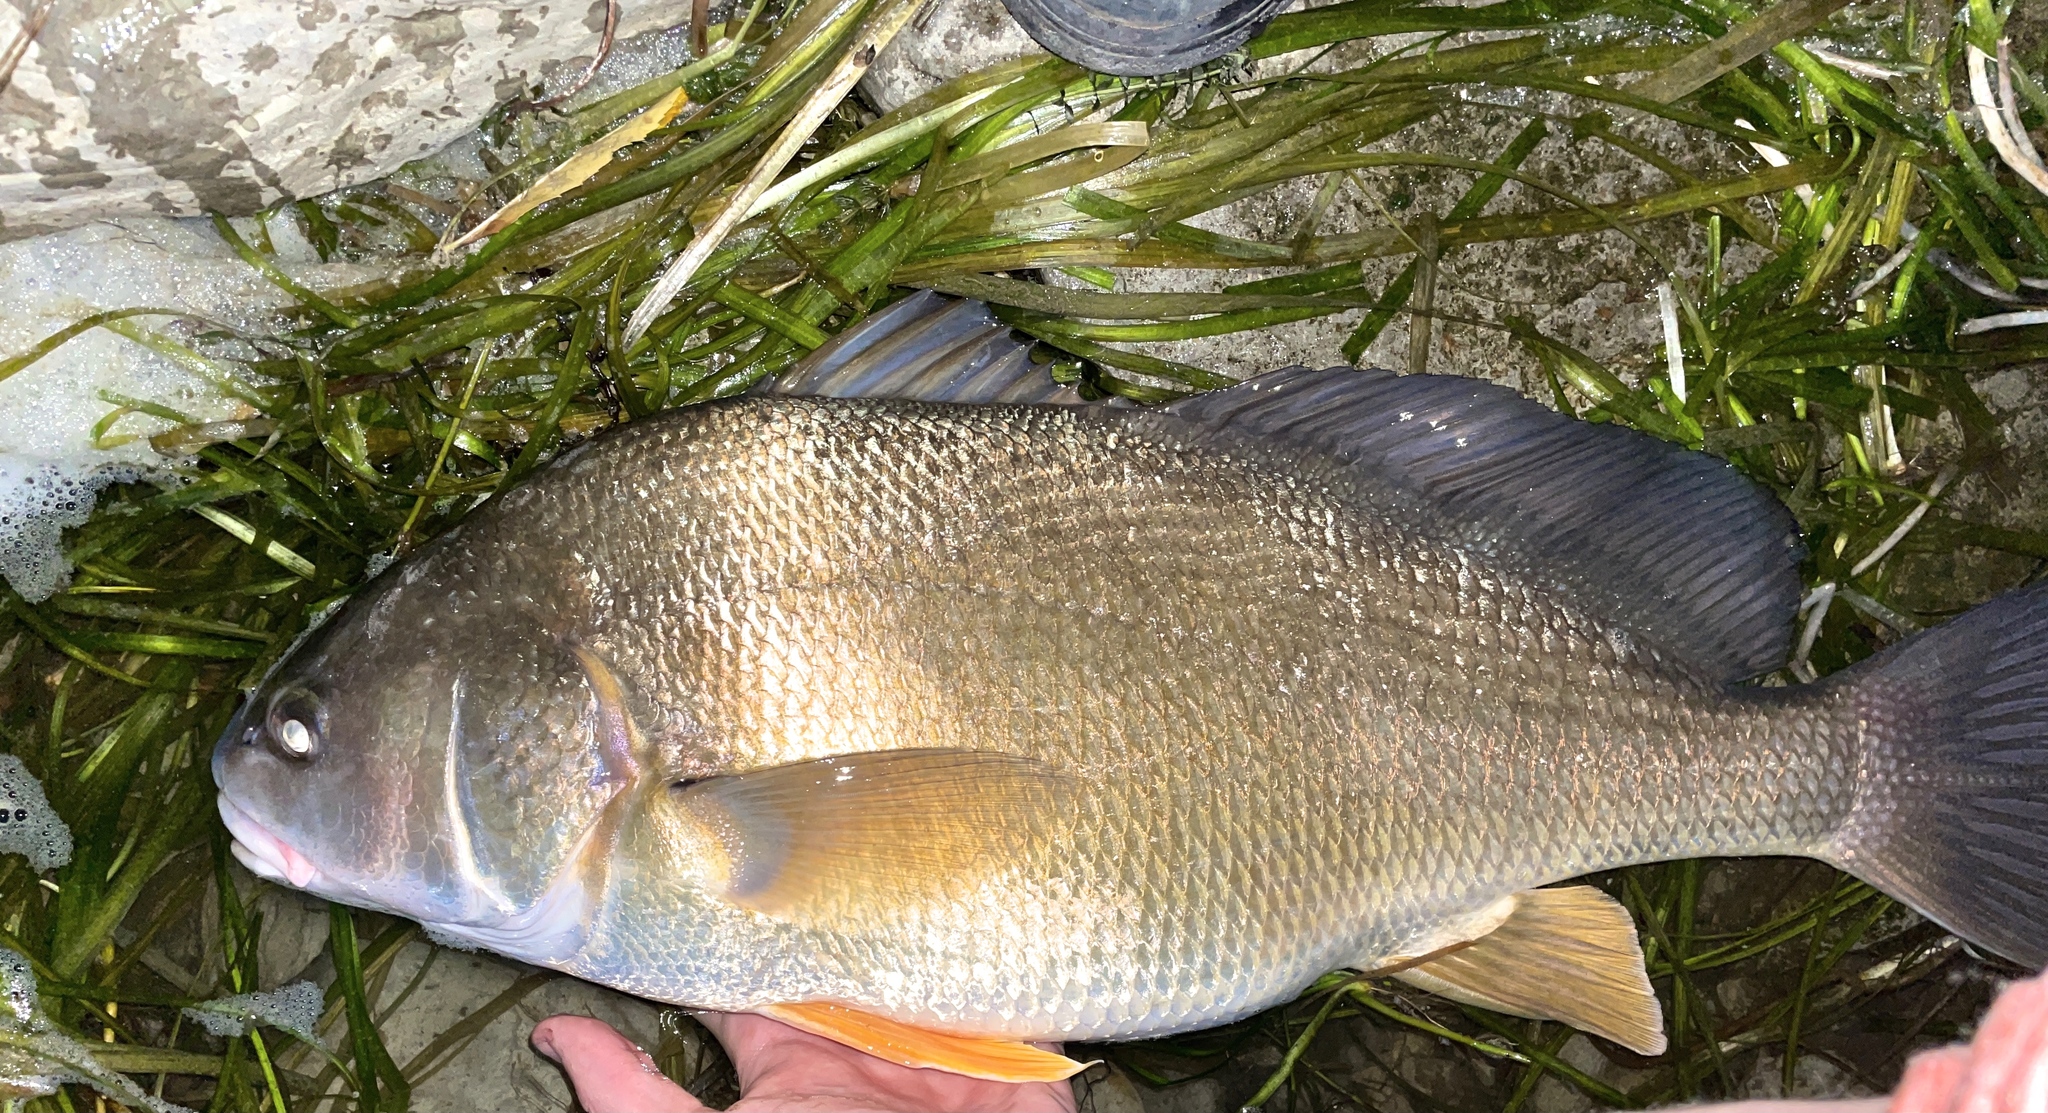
265 854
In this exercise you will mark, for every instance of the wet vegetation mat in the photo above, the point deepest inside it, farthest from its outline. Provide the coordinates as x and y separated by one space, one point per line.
1862 240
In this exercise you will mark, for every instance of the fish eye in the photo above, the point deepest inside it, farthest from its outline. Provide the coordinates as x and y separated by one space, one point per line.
295 737
296 722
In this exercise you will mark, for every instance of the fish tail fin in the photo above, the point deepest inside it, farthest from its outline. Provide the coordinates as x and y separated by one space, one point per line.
1951 813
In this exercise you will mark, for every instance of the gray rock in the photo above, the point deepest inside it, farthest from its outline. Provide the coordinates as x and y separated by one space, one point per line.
1812 1077
121 109
952 37
1105 1088
497 1068
294 930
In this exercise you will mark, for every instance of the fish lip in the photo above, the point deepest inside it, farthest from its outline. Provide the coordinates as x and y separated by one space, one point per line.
265 854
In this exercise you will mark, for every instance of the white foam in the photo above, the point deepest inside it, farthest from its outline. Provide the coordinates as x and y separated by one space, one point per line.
39 1057
294 1008
30 826
443 938
39 500
18 1006
50 469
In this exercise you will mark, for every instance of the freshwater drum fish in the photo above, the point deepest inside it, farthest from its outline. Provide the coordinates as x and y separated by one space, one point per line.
918 704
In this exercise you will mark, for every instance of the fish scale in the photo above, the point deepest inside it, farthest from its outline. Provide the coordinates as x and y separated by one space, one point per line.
923 583
1062 721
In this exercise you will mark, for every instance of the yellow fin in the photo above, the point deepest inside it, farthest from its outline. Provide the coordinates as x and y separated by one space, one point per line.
1562 954
974 1056
847 835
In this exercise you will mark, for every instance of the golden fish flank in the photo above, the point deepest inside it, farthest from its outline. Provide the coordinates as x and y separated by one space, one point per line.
917 697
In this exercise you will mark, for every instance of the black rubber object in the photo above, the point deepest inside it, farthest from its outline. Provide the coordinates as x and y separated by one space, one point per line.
1142 37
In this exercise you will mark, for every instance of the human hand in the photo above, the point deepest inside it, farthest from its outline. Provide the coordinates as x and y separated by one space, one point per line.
781 1070
2003 1070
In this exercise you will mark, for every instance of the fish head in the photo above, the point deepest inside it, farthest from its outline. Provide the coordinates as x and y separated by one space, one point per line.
426 755
311 784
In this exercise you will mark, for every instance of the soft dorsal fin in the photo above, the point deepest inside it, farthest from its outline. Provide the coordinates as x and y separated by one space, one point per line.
925 348
841 839
1561 954
1672 544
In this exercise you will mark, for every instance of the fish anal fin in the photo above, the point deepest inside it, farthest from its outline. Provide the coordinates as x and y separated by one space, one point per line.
997 1060
1569 955
843 840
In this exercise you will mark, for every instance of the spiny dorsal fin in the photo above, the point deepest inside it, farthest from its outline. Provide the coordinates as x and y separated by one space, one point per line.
844 838
1672 544
1562 954
925 348
997 1060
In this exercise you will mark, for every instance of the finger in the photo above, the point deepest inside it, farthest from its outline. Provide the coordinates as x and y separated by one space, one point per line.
610 1073
1797 1105
1931 1081
2009 1058
762 1048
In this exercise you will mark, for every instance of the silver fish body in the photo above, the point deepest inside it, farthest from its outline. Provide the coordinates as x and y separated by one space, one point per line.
1275 725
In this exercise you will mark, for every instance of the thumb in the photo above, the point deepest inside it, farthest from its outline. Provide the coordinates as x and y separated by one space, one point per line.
609 1072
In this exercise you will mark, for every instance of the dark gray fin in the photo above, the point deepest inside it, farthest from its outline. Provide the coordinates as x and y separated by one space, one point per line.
1951 813
1671 544
925 348
1142 37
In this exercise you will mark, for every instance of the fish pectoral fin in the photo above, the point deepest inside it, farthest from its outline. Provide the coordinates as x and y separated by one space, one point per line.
1569 955
843 838
906 1045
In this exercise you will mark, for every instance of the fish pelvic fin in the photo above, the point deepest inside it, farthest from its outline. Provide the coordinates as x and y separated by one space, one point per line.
1569 955
1951 811
906 1045
843 840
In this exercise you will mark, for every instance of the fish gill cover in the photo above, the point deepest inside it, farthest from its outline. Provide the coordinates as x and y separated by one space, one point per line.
1838 216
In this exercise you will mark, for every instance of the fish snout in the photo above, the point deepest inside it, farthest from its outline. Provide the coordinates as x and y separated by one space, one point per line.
250 763
266 855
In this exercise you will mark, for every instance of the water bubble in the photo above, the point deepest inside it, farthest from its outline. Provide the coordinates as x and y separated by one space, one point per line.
32 828
17 991
294 1008
36 1058
38 502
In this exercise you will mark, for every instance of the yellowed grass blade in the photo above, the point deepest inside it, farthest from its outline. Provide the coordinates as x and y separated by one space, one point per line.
577 168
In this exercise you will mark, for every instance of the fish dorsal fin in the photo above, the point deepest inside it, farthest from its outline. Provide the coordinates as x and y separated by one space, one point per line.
907 1045
1563 954
925 348
842 839
1672 544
